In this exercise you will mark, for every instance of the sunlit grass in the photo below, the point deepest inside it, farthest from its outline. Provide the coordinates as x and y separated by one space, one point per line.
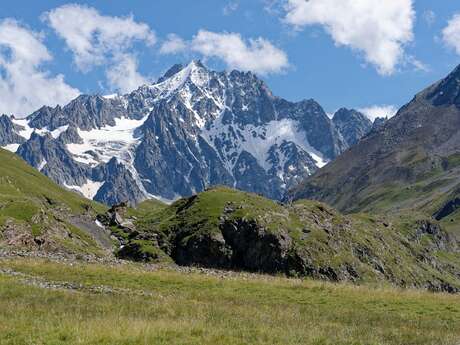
200 309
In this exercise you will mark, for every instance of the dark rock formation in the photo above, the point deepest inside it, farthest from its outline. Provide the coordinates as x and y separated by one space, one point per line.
8 132
352 125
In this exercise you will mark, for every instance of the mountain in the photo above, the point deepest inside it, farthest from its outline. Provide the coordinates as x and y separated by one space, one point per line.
228 229
37 215
191 129
412 162
224 228
351 124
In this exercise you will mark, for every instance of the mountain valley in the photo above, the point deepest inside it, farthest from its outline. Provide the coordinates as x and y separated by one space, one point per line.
130 152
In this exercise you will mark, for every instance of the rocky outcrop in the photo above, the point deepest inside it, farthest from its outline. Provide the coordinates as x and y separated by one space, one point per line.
118 184
448 208
85 112
226 229
8 132
70 136
379 122
51 157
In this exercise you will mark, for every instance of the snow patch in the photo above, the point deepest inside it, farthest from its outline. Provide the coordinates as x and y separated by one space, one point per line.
258 140
107 142
89 189
11 147
27 131
99 224
42 165
101 145
112 96
58 131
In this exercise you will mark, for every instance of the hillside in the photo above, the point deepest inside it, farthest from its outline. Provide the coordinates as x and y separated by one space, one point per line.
229 229
411 164
38 215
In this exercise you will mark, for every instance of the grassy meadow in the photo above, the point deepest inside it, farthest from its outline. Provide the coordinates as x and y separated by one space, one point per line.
134 304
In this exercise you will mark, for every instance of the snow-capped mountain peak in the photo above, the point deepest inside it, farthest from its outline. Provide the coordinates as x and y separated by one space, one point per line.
192 128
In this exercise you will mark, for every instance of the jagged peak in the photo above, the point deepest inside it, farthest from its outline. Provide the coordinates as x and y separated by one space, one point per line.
195 72
179 67
170 72
447 91
344 114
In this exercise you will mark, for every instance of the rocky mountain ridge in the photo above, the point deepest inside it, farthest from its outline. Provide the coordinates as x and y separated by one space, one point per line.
411 163
191 129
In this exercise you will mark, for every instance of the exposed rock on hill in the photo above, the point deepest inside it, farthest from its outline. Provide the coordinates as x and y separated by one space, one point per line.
224 228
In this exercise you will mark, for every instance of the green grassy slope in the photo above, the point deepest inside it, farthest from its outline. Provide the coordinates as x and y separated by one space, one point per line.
225 228
141 306
35 212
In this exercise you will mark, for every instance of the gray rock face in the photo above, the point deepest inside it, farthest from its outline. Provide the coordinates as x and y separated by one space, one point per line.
417 149
352 125
119 185
51 157
378 123
85 112
191 129
320 130
447 91
71 136
8 132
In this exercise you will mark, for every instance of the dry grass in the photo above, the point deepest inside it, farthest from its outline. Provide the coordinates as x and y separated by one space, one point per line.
200 309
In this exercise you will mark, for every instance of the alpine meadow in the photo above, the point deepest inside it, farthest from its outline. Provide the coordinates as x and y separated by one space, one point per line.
230 172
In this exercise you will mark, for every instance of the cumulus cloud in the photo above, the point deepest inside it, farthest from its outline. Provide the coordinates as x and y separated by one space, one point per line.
97 40
378 29
24 85
257 55
173 45
376 111
451 33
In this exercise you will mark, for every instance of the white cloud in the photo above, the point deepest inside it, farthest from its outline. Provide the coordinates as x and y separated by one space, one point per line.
273 7
376 111
379 29
123 75
24 85
429 17
173 45
231 7
256 55
97 40
418 65
451 33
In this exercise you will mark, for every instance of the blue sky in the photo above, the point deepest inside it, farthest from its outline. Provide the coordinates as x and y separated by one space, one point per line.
321 51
